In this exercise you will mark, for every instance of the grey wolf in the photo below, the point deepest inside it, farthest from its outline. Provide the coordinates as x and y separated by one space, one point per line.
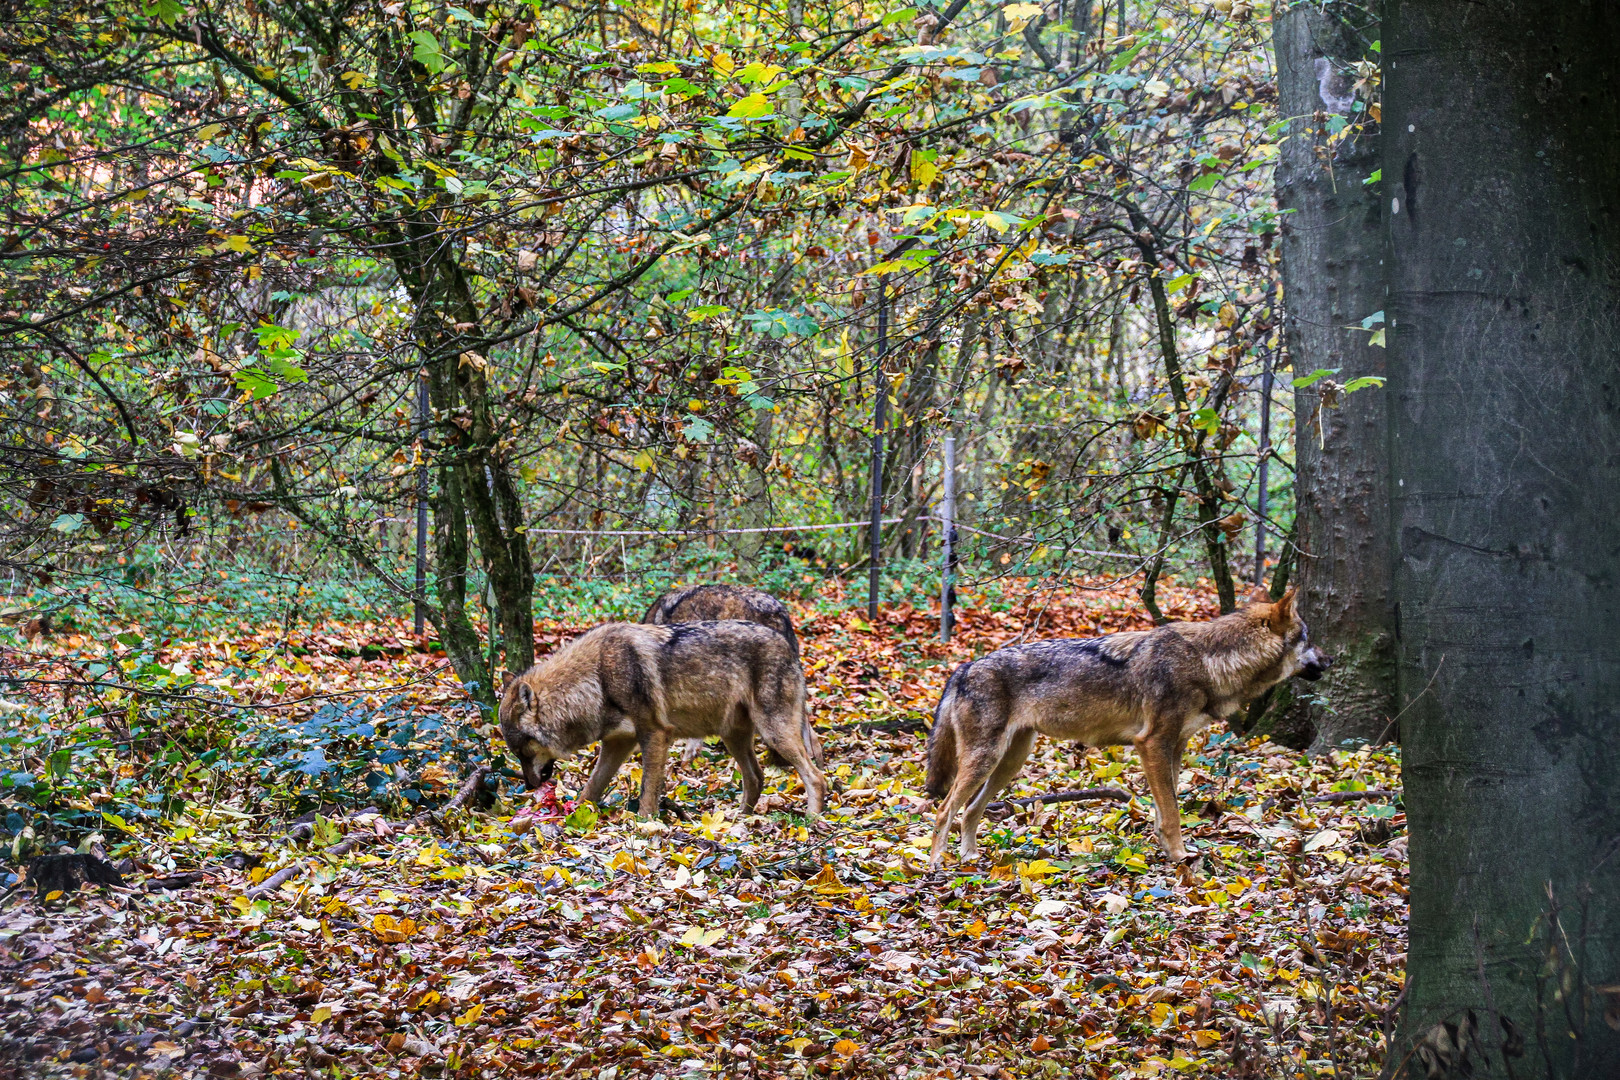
627 684
701 603
1151 689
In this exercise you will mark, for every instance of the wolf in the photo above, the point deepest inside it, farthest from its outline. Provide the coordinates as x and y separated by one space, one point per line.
1150 689
698 603
628 684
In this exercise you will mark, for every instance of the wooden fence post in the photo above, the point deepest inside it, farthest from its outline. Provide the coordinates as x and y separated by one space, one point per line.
947 514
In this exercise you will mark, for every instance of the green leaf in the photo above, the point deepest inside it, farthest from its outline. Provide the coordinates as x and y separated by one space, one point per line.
169 11
706 311
1177 283
1366 380
753 107
582 820
428 52
1375 317
255 383
1318 374
1377 175
1206 420
1205 182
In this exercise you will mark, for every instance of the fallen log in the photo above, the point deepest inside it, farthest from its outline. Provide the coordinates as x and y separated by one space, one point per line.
1096 794
469 788
1355 796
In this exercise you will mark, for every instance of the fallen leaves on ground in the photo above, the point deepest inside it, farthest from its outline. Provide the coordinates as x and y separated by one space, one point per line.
534 937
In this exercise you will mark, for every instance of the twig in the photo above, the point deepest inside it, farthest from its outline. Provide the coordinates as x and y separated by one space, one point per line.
275 880
1083 795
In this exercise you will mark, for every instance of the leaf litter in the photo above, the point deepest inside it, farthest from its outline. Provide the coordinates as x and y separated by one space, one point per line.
530 936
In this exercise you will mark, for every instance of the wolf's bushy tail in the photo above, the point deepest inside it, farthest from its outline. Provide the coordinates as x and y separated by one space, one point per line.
942 739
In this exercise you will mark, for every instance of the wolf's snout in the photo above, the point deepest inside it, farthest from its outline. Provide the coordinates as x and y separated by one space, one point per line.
1316 662
547 769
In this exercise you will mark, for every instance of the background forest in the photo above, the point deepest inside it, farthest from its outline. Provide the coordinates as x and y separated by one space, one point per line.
353 354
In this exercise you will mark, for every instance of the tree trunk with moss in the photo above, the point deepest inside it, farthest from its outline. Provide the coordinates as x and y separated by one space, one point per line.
1502 175
1332 270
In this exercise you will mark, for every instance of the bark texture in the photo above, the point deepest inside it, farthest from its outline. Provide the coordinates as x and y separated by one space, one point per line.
1502 174
1331 251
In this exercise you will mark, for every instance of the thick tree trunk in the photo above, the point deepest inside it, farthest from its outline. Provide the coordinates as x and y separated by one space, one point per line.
1502 174
1333 278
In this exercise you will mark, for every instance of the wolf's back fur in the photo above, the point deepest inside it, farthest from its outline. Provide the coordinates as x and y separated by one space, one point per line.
623 684
1147 688
703 603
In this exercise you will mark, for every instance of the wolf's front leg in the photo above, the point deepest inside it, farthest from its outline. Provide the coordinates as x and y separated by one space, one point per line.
1156 752
615 748
654 763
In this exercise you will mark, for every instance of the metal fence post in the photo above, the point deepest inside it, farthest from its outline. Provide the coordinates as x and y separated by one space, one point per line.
947 515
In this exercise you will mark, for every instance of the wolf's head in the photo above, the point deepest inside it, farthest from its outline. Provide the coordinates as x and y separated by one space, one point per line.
1300 657
520 727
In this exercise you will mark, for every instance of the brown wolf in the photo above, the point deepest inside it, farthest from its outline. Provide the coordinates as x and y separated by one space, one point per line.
624 684
1151 689
700 603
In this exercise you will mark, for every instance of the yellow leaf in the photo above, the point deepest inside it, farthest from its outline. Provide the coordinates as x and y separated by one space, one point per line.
645 462
724 64
1160 1012
692 936
1040 868
1019 15
826 883
976 928
798 1045
1206 1038
470 1015
752 107
429 999
208 131
321 1015
392 930
923 171
845 1048
355 79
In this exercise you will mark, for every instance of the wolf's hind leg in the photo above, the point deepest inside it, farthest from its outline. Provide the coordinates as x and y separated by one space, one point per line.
1012 760
791 746
615 748
971 775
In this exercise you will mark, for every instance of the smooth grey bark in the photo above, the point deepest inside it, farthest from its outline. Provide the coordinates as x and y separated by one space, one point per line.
1502 174
1331 253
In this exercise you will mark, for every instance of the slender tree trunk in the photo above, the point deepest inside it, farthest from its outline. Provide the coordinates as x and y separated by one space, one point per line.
1501 172
1333 278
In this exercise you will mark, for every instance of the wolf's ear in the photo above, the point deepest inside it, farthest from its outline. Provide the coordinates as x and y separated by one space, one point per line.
1282 612
506 682
1258 595
525 696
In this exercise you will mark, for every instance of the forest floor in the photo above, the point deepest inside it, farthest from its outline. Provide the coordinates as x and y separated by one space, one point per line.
528 937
